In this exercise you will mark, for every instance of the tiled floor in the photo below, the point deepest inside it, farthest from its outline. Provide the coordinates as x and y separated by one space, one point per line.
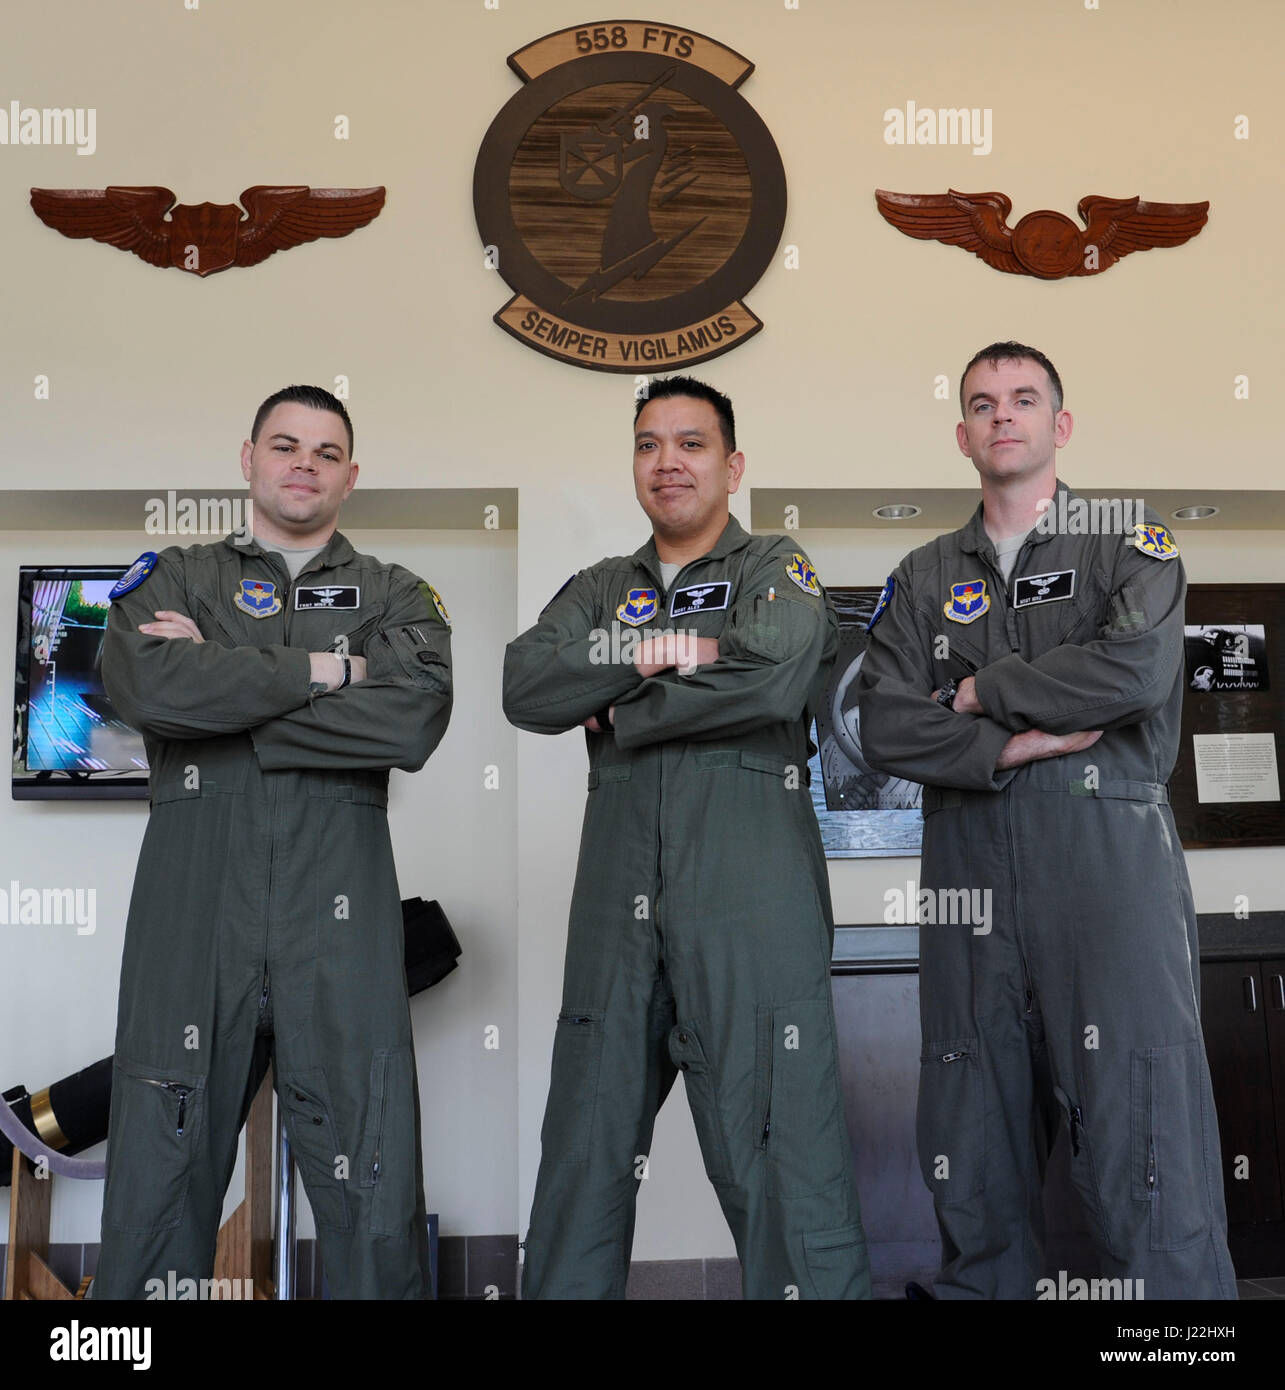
469 1266
1261 1288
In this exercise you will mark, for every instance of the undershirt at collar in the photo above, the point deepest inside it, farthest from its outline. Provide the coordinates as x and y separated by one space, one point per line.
1006 553
295 559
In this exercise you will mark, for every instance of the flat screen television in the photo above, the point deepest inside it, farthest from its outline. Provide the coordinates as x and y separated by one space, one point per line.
68 740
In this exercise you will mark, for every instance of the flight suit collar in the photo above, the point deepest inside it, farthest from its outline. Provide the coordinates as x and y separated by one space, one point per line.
338 550
974 540
734 537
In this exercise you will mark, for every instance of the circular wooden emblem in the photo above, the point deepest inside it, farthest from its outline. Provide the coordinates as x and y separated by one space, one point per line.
630 197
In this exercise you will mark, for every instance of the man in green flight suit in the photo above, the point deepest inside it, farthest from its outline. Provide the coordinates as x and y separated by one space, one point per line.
701 932
276 679
1028 669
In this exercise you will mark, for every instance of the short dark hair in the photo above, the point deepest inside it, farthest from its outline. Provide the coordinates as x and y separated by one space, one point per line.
1013 352
689 386
315 396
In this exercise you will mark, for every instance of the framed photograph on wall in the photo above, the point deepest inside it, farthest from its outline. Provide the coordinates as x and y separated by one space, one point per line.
862 812
1225 789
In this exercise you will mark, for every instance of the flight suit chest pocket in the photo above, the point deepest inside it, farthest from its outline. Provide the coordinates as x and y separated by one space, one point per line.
386 1162
157 1117
950 1120
315 1139
775 628
332 629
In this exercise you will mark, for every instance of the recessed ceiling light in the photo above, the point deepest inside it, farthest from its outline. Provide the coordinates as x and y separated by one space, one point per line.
1199 513
897 511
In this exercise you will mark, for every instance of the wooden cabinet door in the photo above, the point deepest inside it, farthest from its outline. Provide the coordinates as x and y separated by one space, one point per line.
1234 1014
1274 1012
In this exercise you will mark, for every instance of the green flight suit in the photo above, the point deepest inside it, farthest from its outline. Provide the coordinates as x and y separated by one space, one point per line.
266 911
1078 1001
701 932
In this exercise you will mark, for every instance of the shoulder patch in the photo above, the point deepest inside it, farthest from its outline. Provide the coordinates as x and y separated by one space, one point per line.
134 575
435 599
1155 540
554 599
885 598
801 573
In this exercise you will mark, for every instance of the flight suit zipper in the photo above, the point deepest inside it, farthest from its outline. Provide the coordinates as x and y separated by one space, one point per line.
177 1089
767 1115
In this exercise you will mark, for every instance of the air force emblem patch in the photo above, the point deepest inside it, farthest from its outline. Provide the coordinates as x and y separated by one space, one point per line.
968 601
1154 540
802 573
134 575
638 608
258 598
885 598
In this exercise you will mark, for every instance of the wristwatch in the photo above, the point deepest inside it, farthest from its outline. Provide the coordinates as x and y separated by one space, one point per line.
604 718
347 672
946 695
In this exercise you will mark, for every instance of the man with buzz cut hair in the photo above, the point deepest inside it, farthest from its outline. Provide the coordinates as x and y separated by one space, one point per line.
276 680
1032 680
701 931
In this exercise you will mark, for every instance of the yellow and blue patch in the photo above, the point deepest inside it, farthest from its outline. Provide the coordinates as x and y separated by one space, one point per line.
134 575
258 598
639 607
438 604
1155 540
968 601
802 573
885 598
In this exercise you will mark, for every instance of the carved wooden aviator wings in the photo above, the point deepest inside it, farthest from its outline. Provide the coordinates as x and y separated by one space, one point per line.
1045 244
205 237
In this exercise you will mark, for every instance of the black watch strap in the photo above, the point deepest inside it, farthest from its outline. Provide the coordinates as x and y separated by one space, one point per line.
604 718
946 695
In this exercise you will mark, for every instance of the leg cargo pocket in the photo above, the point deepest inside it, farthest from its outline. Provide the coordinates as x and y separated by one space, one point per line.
315 1140
799 1097
950 1120
1169 1143
157 1116
837 1263
388 1145
573 1086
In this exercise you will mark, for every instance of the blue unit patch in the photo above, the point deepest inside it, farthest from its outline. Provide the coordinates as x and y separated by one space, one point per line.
802 573
639 607
134 575
1155 540
554 599
258 598
968 601
885 598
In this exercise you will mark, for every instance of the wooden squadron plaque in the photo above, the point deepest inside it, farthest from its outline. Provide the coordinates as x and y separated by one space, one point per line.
630 197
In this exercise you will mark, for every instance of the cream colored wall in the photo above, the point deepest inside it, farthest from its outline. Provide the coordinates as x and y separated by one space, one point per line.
152 372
